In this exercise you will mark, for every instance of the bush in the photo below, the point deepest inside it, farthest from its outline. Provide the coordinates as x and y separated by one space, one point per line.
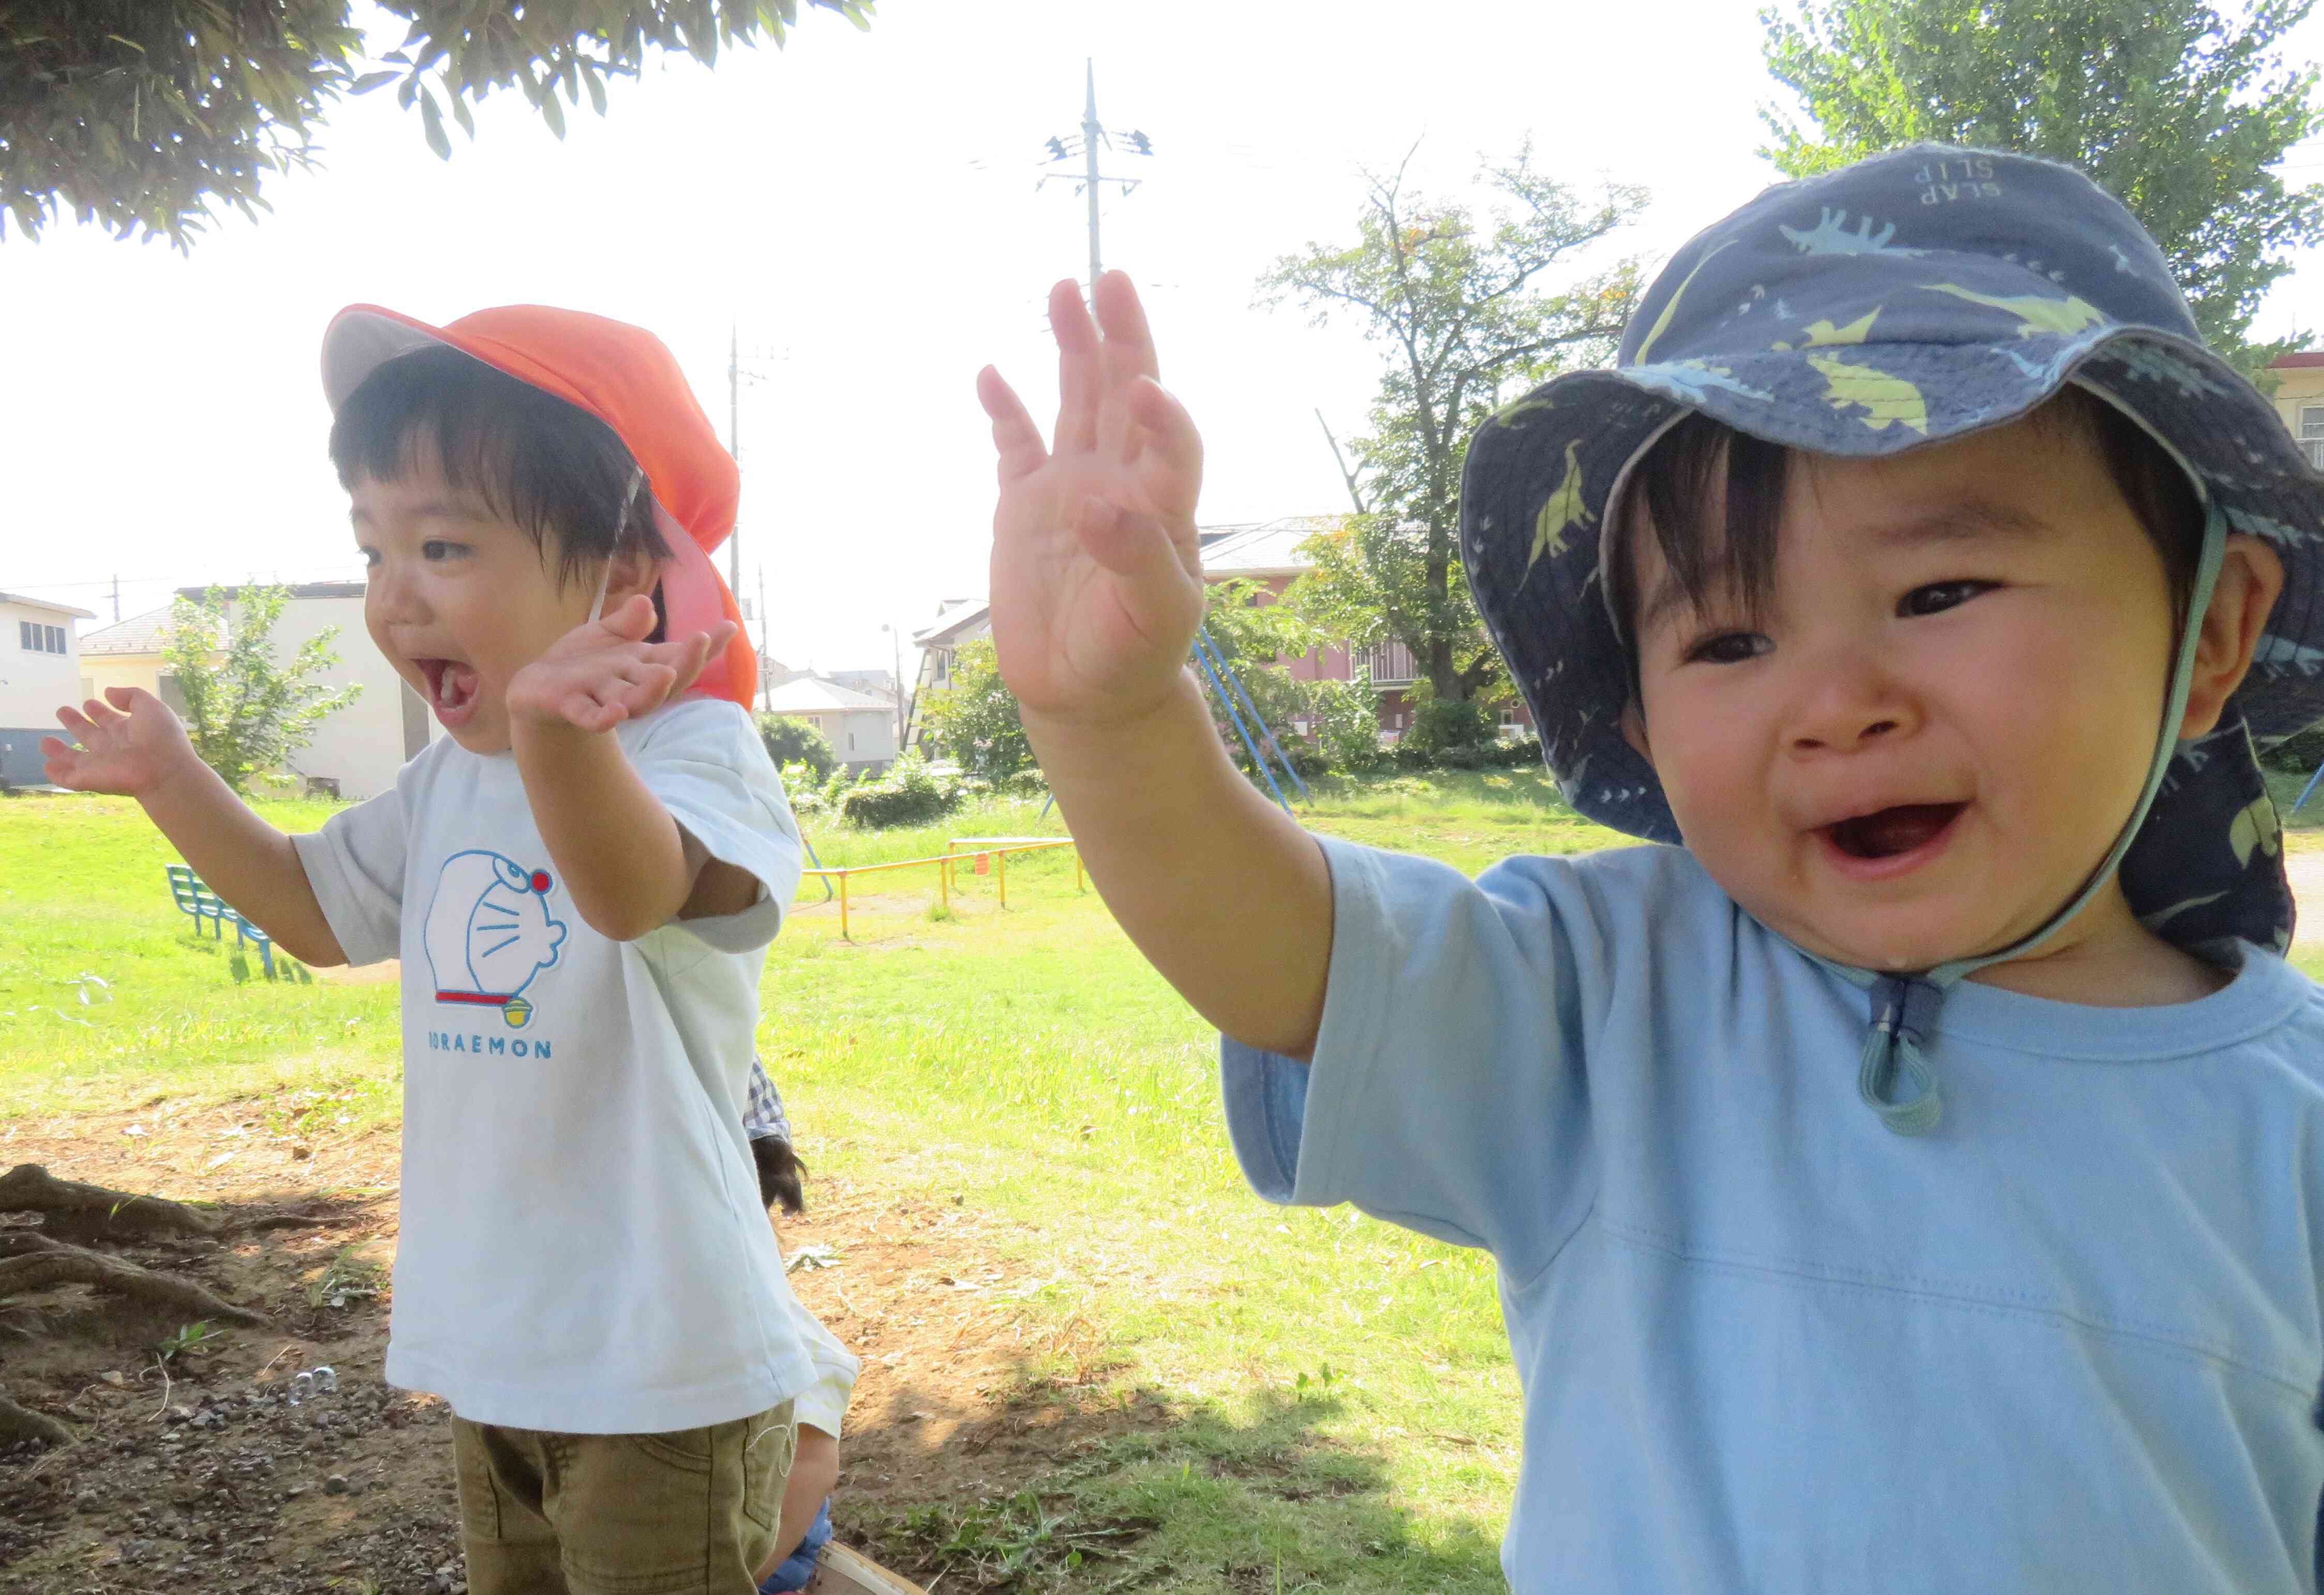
2298 754
1519 753
974 719
796 741
910 794
1346 718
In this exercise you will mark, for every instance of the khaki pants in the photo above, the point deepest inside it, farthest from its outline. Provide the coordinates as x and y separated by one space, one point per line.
691 1512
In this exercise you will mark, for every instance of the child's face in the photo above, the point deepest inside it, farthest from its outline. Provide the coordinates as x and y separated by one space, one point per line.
1941 725
458 599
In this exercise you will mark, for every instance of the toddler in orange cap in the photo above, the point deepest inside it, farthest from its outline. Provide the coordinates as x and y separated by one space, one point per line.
581 879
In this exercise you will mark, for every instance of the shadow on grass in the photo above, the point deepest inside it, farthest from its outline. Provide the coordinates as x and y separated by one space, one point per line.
1088 1492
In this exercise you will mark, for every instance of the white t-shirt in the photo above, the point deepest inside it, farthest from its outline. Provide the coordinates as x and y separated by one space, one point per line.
583 1248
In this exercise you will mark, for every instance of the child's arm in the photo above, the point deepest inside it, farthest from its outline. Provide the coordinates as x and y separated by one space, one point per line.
624 860
133 747
1097 589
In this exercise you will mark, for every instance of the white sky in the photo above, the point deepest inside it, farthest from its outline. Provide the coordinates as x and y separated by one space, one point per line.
865 204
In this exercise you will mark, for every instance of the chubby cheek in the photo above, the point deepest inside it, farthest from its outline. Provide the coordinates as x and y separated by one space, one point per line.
1710 755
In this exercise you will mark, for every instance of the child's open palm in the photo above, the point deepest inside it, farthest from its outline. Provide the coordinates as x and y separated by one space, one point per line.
1097 586
603 672
130 743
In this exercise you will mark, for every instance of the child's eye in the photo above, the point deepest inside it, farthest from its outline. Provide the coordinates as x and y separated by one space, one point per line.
1939 596
1730 648
370 557
436 547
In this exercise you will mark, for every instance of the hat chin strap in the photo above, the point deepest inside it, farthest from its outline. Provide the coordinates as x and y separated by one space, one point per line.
604 580
1905 1006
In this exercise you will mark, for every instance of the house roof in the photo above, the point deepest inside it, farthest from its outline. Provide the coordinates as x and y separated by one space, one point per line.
53 608
140 633
812 694
2294 362
1266 547
954 617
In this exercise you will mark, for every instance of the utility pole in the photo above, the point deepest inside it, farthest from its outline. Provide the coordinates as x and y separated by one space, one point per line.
765 690
116 598
1089 180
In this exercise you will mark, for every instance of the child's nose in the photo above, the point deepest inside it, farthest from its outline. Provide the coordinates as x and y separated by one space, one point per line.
1849 704
390 596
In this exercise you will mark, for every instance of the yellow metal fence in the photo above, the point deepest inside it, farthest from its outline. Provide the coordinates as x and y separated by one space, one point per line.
996 848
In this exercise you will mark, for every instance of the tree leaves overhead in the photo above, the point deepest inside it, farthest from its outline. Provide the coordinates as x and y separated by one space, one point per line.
1467 309
2176 107
147 116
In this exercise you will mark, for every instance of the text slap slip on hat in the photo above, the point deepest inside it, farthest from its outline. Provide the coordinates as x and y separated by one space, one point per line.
1915 296
628 379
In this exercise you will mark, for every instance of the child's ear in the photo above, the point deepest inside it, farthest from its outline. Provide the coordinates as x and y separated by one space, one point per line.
2251 577
634 571
1634 731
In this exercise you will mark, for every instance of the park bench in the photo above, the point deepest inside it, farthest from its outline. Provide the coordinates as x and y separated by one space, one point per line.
198 900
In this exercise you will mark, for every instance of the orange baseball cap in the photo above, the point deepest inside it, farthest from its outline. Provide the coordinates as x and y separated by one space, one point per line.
628 379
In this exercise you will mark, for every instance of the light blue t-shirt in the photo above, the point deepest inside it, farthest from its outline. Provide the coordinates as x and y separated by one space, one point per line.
2070 1341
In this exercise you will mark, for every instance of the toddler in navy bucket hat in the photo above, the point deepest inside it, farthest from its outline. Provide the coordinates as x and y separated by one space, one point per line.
1906 1171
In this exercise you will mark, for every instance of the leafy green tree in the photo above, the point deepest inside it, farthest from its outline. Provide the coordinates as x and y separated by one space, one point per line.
1253 638
793 741
1467 310
2181 108
145 113
246 712
1345 716
975 717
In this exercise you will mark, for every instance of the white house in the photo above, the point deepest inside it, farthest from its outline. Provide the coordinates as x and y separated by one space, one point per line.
40 670
860 728
356 750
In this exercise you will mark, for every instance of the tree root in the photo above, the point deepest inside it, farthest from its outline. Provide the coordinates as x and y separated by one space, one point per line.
89 1211
22 1423
29 1261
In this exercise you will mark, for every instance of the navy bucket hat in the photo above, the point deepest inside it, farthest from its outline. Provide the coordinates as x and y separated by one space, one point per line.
1919 295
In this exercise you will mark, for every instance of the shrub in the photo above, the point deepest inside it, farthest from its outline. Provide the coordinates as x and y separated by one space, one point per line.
797 741
975 718
1518 752
910 794
1346 718
2298 754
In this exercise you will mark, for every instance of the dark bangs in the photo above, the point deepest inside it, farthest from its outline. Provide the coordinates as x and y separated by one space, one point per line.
1701 465
537 462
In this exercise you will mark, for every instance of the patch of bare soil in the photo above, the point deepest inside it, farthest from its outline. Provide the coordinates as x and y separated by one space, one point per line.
195 1472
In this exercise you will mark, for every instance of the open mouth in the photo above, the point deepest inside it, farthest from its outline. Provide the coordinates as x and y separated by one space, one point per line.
451 689
1895 832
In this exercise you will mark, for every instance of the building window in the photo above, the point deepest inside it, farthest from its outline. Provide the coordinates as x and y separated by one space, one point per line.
850 741
2312 433
36 638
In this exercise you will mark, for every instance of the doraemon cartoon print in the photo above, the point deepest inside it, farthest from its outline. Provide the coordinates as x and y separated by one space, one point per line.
488 933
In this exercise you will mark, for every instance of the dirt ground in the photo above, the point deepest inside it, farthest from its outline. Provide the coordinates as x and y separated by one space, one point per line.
197 1472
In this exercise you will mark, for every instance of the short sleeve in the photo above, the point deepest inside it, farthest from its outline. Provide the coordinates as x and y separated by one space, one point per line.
704 760
823 1403
355 864
1447 1092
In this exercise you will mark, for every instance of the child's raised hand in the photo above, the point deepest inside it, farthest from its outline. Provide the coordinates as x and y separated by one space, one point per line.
1097 586
603 672
130 744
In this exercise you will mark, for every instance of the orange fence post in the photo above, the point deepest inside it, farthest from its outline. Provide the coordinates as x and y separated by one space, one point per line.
943 880
1078 884
1001 864
843 908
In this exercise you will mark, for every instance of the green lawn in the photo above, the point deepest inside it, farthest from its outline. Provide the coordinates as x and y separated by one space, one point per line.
1340 1388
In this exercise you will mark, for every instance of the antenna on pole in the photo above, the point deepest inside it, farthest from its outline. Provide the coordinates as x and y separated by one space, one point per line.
1089 180
734 445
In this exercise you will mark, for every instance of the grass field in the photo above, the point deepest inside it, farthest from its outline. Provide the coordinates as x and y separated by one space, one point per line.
1343 1408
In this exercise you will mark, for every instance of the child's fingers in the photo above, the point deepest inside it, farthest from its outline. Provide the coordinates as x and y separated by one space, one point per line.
1128 339
1079 379
1169 430
1130 545
1014 438
76 724
632 617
